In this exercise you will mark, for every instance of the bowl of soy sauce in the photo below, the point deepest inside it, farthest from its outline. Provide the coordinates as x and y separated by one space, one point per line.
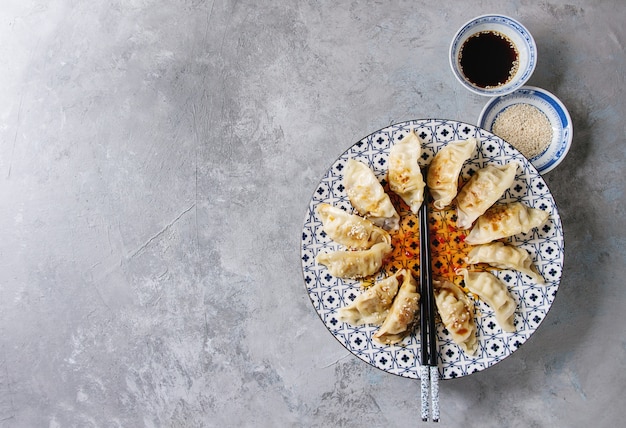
493 55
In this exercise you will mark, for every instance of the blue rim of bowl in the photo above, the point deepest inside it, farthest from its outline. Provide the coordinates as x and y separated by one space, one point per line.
551 106
497 19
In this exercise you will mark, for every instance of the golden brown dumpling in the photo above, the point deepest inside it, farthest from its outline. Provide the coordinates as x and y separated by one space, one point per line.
481 191
503 256
403 313
350 230
489 288
504 220
372 305
368 196
443 173
457 314
355 264
404 174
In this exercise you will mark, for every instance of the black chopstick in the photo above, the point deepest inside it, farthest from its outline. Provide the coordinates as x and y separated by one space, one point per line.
429 373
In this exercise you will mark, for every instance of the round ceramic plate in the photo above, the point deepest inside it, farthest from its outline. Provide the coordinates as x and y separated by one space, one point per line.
551 106
545 244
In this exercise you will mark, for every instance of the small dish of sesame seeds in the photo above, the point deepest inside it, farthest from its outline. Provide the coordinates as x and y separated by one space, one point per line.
532 120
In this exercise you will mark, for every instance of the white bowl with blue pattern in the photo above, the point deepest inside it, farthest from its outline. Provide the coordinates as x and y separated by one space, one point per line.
516 32
548 104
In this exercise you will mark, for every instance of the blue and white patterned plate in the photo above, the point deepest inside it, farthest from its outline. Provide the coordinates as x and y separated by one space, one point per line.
551 106
545 244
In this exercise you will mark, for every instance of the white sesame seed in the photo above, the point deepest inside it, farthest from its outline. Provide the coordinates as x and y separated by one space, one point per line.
525 127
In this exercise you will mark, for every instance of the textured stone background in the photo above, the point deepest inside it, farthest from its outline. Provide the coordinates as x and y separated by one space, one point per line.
156 161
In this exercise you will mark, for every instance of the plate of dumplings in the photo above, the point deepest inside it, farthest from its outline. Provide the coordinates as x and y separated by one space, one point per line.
496 243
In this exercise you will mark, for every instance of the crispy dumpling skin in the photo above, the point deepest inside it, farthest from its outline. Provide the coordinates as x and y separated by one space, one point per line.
503 256
403 313
481 191
368 196
355 264
443 173
404 174
504 220
373 304
492 291
457 314
350 230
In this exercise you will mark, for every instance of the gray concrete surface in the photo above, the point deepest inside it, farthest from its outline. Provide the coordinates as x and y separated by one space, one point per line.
156 161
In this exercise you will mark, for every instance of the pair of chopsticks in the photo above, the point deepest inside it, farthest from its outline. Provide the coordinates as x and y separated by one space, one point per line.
429 374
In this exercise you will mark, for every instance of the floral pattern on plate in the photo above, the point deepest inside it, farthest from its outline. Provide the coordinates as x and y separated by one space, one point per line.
545 244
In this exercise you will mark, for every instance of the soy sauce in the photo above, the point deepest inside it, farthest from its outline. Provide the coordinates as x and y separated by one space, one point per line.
488 59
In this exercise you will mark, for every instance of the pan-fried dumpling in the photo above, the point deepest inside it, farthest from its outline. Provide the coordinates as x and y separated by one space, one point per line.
403 313
489 288
368 197
350 230
355 264
481 191
405 176
443 172
502 256
457 314
372 305
504 220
